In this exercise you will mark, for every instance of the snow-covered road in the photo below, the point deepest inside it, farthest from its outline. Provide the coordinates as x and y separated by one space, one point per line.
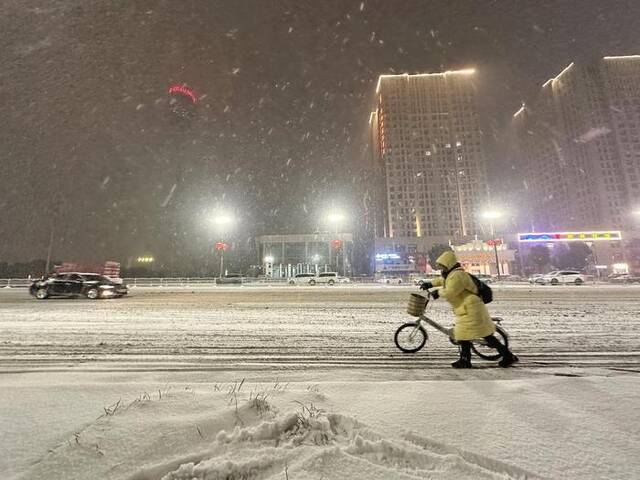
159 370
292 328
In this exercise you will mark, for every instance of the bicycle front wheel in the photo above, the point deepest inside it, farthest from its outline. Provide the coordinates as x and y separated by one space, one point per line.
410 337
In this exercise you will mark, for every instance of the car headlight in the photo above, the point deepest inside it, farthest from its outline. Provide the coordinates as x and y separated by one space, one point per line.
107 286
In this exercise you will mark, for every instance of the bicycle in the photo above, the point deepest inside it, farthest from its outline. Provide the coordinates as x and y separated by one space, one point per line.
412 336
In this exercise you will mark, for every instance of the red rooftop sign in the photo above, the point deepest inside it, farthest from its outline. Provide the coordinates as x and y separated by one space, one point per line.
183 90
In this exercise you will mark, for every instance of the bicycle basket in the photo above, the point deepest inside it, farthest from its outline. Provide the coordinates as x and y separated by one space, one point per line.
417 304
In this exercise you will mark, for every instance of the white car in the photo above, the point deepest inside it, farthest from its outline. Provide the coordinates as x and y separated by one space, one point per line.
302 279
330 278
390 280
563 277
429 278
535 278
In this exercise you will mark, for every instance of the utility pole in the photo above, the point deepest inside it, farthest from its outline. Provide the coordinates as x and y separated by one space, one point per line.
50 247
495 242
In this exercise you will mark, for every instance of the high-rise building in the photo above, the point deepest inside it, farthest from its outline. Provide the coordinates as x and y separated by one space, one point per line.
428 156
578 145
622 83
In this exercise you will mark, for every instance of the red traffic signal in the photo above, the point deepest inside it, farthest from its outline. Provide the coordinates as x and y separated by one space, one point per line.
336 244
221 246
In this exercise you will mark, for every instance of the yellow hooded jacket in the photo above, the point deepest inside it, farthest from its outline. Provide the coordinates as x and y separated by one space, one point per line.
472 317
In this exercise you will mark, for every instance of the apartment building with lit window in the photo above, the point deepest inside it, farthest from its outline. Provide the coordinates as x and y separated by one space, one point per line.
578 147
427 150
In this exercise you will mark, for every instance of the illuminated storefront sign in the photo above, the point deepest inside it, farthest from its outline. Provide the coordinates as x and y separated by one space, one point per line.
570 236
387 256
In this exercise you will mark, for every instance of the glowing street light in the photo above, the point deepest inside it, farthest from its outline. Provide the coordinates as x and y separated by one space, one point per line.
336 218
491 214
223 220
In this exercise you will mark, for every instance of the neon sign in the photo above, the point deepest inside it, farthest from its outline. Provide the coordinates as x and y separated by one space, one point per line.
602 236
183 90
387 256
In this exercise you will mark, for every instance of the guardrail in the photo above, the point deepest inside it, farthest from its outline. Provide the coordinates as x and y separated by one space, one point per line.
14 282
193 281
211 282
178 281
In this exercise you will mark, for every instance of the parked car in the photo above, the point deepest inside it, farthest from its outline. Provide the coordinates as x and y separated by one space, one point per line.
426 278
390 280
330 278
562 277
513 278
72 284
485 278
303 279
230 279
624 278
536 278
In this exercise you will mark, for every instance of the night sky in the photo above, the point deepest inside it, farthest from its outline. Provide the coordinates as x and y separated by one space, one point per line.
90 145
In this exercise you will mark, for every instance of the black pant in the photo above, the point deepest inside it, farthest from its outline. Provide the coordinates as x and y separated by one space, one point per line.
493 342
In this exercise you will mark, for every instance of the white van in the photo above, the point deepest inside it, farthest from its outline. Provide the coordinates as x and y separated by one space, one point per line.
302 279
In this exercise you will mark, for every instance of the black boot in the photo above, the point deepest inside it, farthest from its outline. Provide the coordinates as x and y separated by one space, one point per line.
465 355
508 360
462 363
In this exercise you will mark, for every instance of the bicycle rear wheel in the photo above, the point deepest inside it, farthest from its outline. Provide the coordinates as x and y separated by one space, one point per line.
410 337
481 349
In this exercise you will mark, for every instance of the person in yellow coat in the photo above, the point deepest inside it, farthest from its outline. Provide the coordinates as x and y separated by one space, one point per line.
472 317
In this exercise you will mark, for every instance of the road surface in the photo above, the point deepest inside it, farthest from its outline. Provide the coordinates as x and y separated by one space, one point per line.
302 328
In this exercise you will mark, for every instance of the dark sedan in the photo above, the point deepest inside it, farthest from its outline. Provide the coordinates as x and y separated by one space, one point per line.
230 279
90 285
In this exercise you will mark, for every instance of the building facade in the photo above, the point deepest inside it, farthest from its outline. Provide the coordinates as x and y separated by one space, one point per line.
427 151
410 256
578 147
284 256
480 258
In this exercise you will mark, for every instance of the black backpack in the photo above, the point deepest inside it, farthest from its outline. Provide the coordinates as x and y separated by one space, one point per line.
484 290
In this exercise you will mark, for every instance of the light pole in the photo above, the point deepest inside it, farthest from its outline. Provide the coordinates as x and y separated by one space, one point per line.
316 261
335 219
493 215
223 223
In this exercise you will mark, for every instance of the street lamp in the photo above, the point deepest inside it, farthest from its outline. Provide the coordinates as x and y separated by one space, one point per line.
223 222
492 216
337 218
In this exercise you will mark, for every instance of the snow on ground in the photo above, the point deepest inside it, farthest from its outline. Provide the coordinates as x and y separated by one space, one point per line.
550 427
148 387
